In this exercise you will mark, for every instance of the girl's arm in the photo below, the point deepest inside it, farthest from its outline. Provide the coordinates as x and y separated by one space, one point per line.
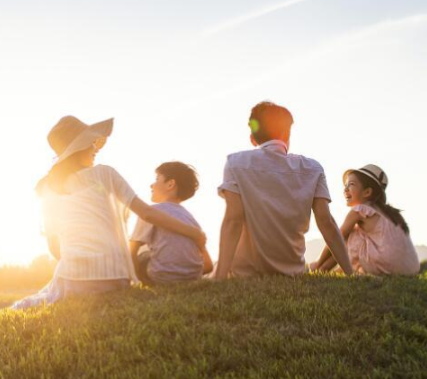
162 220
324 263
349 223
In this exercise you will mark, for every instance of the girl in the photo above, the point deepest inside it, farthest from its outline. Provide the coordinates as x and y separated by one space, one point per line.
377 235
84 207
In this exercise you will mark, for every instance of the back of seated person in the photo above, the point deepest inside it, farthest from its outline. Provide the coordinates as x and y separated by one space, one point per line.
169 257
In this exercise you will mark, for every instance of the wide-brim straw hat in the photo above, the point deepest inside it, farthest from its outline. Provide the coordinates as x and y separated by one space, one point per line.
374 172
70 135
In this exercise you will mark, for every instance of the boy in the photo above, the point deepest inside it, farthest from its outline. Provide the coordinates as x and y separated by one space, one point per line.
171 257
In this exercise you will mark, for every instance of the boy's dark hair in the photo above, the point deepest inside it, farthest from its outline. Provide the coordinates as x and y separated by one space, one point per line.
269 121
379 198
185 177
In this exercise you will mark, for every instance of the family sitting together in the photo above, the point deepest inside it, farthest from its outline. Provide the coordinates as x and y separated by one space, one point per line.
269 197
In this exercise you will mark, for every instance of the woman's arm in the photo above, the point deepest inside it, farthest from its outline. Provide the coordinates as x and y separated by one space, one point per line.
162 220
53 243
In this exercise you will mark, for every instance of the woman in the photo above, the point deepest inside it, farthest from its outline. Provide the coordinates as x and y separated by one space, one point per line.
84 207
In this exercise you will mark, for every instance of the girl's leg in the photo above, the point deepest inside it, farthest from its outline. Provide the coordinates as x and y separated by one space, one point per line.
324 256
328 264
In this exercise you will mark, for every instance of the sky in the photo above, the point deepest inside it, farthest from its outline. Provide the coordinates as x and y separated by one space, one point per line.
180 79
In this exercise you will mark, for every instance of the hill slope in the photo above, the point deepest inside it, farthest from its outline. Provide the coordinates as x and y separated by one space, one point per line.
277 327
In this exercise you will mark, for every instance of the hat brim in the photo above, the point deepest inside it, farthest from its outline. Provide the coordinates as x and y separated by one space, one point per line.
348 172
99 131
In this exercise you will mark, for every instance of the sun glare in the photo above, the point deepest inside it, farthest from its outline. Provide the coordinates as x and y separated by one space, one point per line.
24 240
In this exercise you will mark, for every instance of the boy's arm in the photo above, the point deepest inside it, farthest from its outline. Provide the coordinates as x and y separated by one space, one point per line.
231 231
134 247
207 262
331 233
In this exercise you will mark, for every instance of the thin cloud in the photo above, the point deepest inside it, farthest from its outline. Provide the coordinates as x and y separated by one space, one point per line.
237 21
330 46
374 29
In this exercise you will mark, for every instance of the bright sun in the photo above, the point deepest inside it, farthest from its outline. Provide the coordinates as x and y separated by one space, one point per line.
22 239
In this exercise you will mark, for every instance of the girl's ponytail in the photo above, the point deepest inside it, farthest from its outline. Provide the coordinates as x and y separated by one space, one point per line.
379 199
393 214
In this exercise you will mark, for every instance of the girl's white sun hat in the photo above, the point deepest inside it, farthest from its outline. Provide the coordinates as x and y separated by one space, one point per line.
374 172
70 135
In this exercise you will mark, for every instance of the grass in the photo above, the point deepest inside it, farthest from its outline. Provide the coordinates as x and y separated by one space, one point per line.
9 296
275 327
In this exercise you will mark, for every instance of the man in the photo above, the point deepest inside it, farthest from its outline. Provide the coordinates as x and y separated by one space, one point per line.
269 196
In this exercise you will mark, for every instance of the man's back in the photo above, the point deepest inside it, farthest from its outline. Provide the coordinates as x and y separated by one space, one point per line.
277 192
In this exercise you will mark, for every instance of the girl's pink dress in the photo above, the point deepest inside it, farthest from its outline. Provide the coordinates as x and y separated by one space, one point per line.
386 250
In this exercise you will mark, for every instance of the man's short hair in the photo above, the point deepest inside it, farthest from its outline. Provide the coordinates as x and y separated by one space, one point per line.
270 121
185 177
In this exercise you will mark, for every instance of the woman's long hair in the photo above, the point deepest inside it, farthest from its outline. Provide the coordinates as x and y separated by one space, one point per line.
58 175
379 199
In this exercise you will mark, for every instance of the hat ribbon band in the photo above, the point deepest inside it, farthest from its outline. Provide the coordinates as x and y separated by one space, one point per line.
376 177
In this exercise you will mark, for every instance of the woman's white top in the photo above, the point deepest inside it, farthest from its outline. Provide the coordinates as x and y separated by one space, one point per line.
89 222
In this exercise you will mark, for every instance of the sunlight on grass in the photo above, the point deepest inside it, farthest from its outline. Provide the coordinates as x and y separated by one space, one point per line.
314 326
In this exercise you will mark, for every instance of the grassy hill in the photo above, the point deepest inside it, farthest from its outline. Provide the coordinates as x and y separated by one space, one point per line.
276 327
315 246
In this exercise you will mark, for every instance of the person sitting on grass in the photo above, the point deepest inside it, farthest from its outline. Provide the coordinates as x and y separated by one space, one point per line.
83 208
269 197
170 257
377 235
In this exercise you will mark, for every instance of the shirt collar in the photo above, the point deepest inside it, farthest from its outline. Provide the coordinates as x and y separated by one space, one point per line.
274 143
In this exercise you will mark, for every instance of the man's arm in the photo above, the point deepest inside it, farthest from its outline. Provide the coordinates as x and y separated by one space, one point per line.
331 233
231 230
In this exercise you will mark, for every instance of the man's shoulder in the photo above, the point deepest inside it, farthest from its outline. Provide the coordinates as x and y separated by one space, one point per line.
302 160
306 161
240 154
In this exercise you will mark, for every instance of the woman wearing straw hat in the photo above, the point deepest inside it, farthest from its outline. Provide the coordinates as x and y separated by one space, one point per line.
83 208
